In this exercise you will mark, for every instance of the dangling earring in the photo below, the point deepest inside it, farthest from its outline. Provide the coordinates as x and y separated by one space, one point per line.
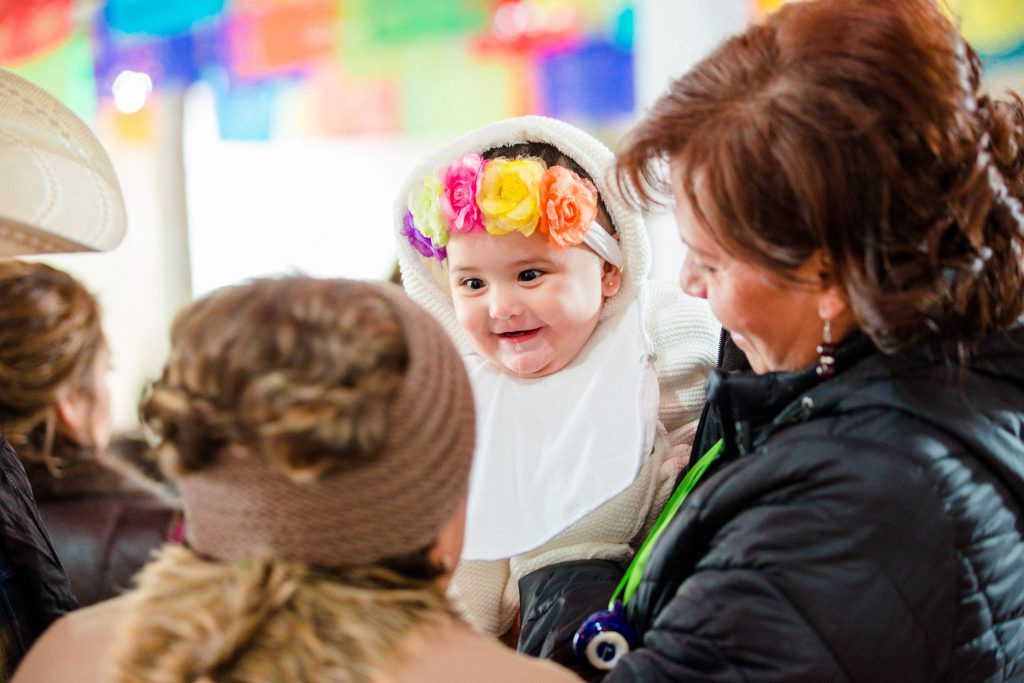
826 353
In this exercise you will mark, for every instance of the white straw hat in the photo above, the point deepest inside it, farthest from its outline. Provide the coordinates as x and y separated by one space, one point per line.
58 189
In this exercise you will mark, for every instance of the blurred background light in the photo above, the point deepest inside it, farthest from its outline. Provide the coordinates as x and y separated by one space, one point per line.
131 89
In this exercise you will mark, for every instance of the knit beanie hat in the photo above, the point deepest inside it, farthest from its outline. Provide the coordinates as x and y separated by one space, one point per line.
384 505
60 192
423 278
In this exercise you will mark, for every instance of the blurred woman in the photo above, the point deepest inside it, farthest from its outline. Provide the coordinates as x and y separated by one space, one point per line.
321 432
60 194
851 206
103 515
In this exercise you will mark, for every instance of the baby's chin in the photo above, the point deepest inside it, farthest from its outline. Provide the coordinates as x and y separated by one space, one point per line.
528 364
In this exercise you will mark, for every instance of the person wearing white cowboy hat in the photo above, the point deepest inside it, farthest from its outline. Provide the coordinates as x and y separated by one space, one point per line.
577 452
58 193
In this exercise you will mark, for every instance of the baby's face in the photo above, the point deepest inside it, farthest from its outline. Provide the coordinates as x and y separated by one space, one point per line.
527 306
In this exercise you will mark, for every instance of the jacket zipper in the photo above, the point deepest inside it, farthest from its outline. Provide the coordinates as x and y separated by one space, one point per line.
35 517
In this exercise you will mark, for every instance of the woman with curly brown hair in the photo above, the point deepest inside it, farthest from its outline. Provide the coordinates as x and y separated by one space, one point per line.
852 208
321 432
103 514
60 194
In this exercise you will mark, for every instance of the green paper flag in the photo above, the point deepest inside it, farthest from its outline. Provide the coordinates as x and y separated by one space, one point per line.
396 21
449 90
67 72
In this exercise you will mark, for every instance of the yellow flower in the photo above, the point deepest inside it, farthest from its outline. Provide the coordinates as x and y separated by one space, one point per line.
508 196
424 204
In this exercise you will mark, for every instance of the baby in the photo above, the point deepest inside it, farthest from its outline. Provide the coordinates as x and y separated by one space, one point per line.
588 380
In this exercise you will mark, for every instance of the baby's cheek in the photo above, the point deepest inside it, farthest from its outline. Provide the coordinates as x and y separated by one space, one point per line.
473 325
462 313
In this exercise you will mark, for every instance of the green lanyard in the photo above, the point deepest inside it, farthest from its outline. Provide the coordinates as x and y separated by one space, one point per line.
635 571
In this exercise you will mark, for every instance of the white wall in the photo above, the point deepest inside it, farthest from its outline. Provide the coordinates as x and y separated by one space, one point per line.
672 36
319 207
141 283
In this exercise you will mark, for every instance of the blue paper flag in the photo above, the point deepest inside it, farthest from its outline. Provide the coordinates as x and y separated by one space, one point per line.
592 81
245 110
159 17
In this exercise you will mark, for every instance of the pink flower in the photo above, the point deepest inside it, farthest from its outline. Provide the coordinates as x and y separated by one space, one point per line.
460 185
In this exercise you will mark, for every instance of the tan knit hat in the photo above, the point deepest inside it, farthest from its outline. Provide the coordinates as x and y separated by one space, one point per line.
389 505
59 192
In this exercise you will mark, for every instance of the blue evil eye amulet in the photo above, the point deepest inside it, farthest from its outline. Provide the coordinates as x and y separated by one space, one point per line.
604 638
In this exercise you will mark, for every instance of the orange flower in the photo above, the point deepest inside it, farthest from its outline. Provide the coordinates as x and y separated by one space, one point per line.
568 205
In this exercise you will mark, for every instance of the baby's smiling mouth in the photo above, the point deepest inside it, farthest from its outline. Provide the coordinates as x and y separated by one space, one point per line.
517 334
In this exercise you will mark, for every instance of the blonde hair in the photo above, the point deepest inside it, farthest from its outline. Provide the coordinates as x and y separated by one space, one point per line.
50 334
267 619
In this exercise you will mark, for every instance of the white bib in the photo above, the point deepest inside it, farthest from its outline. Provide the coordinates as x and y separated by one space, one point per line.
552 449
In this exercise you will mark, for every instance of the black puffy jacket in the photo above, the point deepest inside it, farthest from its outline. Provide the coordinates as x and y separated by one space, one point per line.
868 528
556 599
34 589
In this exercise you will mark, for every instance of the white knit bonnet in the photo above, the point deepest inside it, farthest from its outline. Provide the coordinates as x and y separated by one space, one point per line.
424 286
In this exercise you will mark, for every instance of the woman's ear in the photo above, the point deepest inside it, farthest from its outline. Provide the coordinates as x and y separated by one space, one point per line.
611 280
832 304
447 547
832 301
73 414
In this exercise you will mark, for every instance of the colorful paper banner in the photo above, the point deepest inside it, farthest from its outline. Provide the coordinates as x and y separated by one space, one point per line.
591 82
67 72
349 106
245 110
397 21
267 39
159 17
448 90
30 27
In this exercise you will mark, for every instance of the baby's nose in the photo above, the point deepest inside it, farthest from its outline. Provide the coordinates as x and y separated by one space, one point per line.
504 304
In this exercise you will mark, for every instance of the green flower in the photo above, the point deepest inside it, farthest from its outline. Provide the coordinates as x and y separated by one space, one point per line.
425 205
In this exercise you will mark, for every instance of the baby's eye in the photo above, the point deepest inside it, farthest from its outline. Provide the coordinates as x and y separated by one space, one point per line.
473 283
530 275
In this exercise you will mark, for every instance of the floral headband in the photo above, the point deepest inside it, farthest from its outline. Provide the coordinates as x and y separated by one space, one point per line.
502 196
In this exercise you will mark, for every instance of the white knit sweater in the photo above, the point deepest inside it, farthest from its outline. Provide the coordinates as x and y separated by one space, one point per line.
684 336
